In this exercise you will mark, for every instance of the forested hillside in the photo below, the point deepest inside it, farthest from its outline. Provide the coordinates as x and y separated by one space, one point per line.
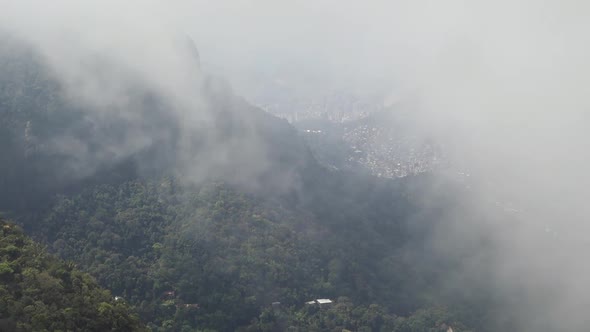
212 257
39 292
242 249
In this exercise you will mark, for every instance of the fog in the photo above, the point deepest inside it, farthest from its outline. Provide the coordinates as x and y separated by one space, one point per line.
105 55
503 85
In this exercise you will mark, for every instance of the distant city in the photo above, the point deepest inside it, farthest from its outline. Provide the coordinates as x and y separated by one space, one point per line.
369 143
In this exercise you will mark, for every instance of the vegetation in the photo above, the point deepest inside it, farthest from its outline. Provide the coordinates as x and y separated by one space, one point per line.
41 293
342 315
210 257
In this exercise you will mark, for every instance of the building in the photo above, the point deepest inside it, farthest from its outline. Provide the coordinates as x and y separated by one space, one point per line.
321 302
169 293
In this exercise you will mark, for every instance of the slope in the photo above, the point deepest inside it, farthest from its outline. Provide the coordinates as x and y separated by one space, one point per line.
41 293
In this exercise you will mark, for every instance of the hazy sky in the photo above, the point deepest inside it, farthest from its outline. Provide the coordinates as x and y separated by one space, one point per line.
503 84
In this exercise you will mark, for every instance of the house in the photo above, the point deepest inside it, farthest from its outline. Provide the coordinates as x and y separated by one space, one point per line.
321 302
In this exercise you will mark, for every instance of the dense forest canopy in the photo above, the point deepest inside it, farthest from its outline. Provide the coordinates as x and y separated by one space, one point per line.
39 292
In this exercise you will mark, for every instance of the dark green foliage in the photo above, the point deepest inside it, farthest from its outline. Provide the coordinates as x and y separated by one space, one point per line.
231 253
225 251
343 315
41 293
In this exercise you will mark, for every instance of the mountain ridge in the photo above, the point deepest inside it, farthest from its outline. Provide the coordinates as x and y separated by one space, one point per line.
230 214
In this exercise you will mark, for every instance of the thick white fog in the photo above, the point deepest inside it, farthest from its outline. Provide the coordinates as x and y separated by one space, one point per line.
503 85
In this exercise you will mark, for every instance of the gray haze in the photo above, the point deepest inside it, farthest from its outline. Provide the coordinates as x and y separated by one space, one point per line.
504 85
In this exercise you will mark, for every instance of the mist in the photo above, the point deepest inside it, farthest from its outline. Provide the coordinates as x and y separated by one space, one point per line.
502 86
107 56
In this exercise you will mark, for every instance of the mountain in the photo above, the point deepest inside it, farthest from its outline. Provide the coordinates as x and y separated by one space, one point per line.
53 140
204 216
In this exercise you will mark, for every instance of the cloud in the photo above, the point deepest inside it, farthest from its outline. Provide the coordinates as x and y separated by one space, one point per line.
133 73
502 85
